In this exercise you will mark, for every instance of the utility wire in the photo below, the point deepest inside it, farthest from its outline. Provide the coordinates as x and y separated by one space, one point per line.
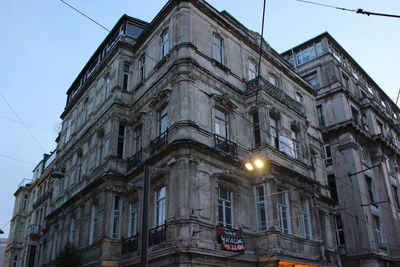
357 11
25 126
31 126
16 159
86 16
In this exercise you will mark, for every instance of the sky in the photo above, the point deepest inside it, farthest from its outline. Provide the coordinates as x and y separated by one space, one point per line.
44 45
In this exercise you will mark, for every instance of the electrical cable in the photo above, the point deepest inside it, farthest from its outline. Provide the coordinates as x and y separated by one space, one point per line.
24 124
28 125
86 16
357 11
16 159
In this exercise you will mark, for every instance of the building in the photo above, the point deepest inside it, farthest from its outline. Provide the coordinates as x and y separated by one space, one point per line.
27 224
185 97
3 244
360 127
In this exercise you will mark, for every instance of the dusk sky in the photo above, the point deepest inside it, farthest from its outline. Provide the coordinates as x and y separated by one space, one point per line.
44 45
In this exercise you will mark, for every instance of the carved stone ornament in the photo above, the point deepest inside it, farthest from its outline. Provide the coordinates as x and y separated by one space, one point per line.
100 132
225 101
159 172
160 95
275 113
137 117
295 125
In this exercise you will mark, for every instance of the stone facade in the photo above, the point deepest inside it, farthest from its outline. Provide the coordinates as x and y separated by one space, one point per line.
360 127
183 96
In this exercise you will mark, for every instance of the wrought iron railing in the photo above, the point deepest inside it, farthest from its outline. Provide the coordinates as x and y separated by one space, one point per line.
159 143
157 235
226 146
134 160
130 244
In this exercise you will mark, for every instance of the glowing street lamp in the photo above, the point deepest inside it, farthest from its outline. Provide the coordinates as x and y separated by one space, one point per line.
254 164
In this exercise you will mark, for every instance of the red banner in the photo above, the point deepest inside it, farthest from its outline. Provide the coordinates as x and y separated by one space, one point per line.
230 239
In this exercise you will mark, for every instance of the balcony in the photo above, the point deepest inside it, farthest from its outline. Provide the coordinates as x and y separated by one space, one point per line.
130 244
33 231
276 93
225 146
159 143
134 160
157 235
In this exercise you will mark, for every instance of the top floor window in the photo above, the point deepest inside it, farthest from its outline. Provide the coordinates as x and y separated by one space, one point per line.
121 140
68 130
347 82
164 43
221 123
218 48
274 80
125 83
163 120
142 67
252 70
299 98
320 117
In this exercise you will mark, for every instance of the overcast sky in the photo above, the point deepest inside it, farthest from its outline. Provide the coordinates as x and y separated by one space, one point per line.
44 45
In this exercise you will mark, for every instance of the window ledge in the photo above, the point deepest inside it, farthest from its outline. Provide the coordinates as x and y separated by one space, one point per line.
220 65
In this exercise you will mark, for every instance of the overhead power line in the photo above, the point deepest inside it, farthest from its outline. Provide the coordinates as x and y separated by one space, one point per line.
357 11
23 123
86 16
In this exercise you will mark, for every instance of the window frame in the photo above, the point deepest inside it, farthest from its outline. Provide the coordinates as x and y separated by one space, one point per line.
218 48
252 73
165 45
327 150
261 205
93 224
126 76
121 140
160 206
224 205
133 218
283 207
163 120
305 214
142 67
116 217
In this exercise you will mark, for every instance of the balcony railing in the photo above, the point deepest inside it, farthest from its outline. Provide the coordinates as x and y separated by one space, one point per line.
134 160
130 244
276 93
33 231
159 143
157 235
226 146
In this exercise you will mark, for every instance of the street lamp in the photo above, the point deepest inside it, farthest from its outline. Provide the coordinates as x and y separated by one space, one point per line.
255 163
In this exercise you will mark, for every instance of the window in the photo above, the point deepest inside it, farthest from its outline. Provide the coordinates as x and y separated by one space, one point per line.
364 153
125 82
142 67
121 140
252 70
355 114
339 230
256 129
85 110
295 149
93 225
274 132
115 217
221 123
305 218
390 163
320 117
101 148
79 168
312 79
72 231
309 53
261 207
347 82
327 154
68 130
379 234
225 209
370 189
380 127
133 217
299 97
364 122
160 205
25 202
274 80
106 88
15 261
332 187
164 43
138 139
396 196
283 211
163 120
218 49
